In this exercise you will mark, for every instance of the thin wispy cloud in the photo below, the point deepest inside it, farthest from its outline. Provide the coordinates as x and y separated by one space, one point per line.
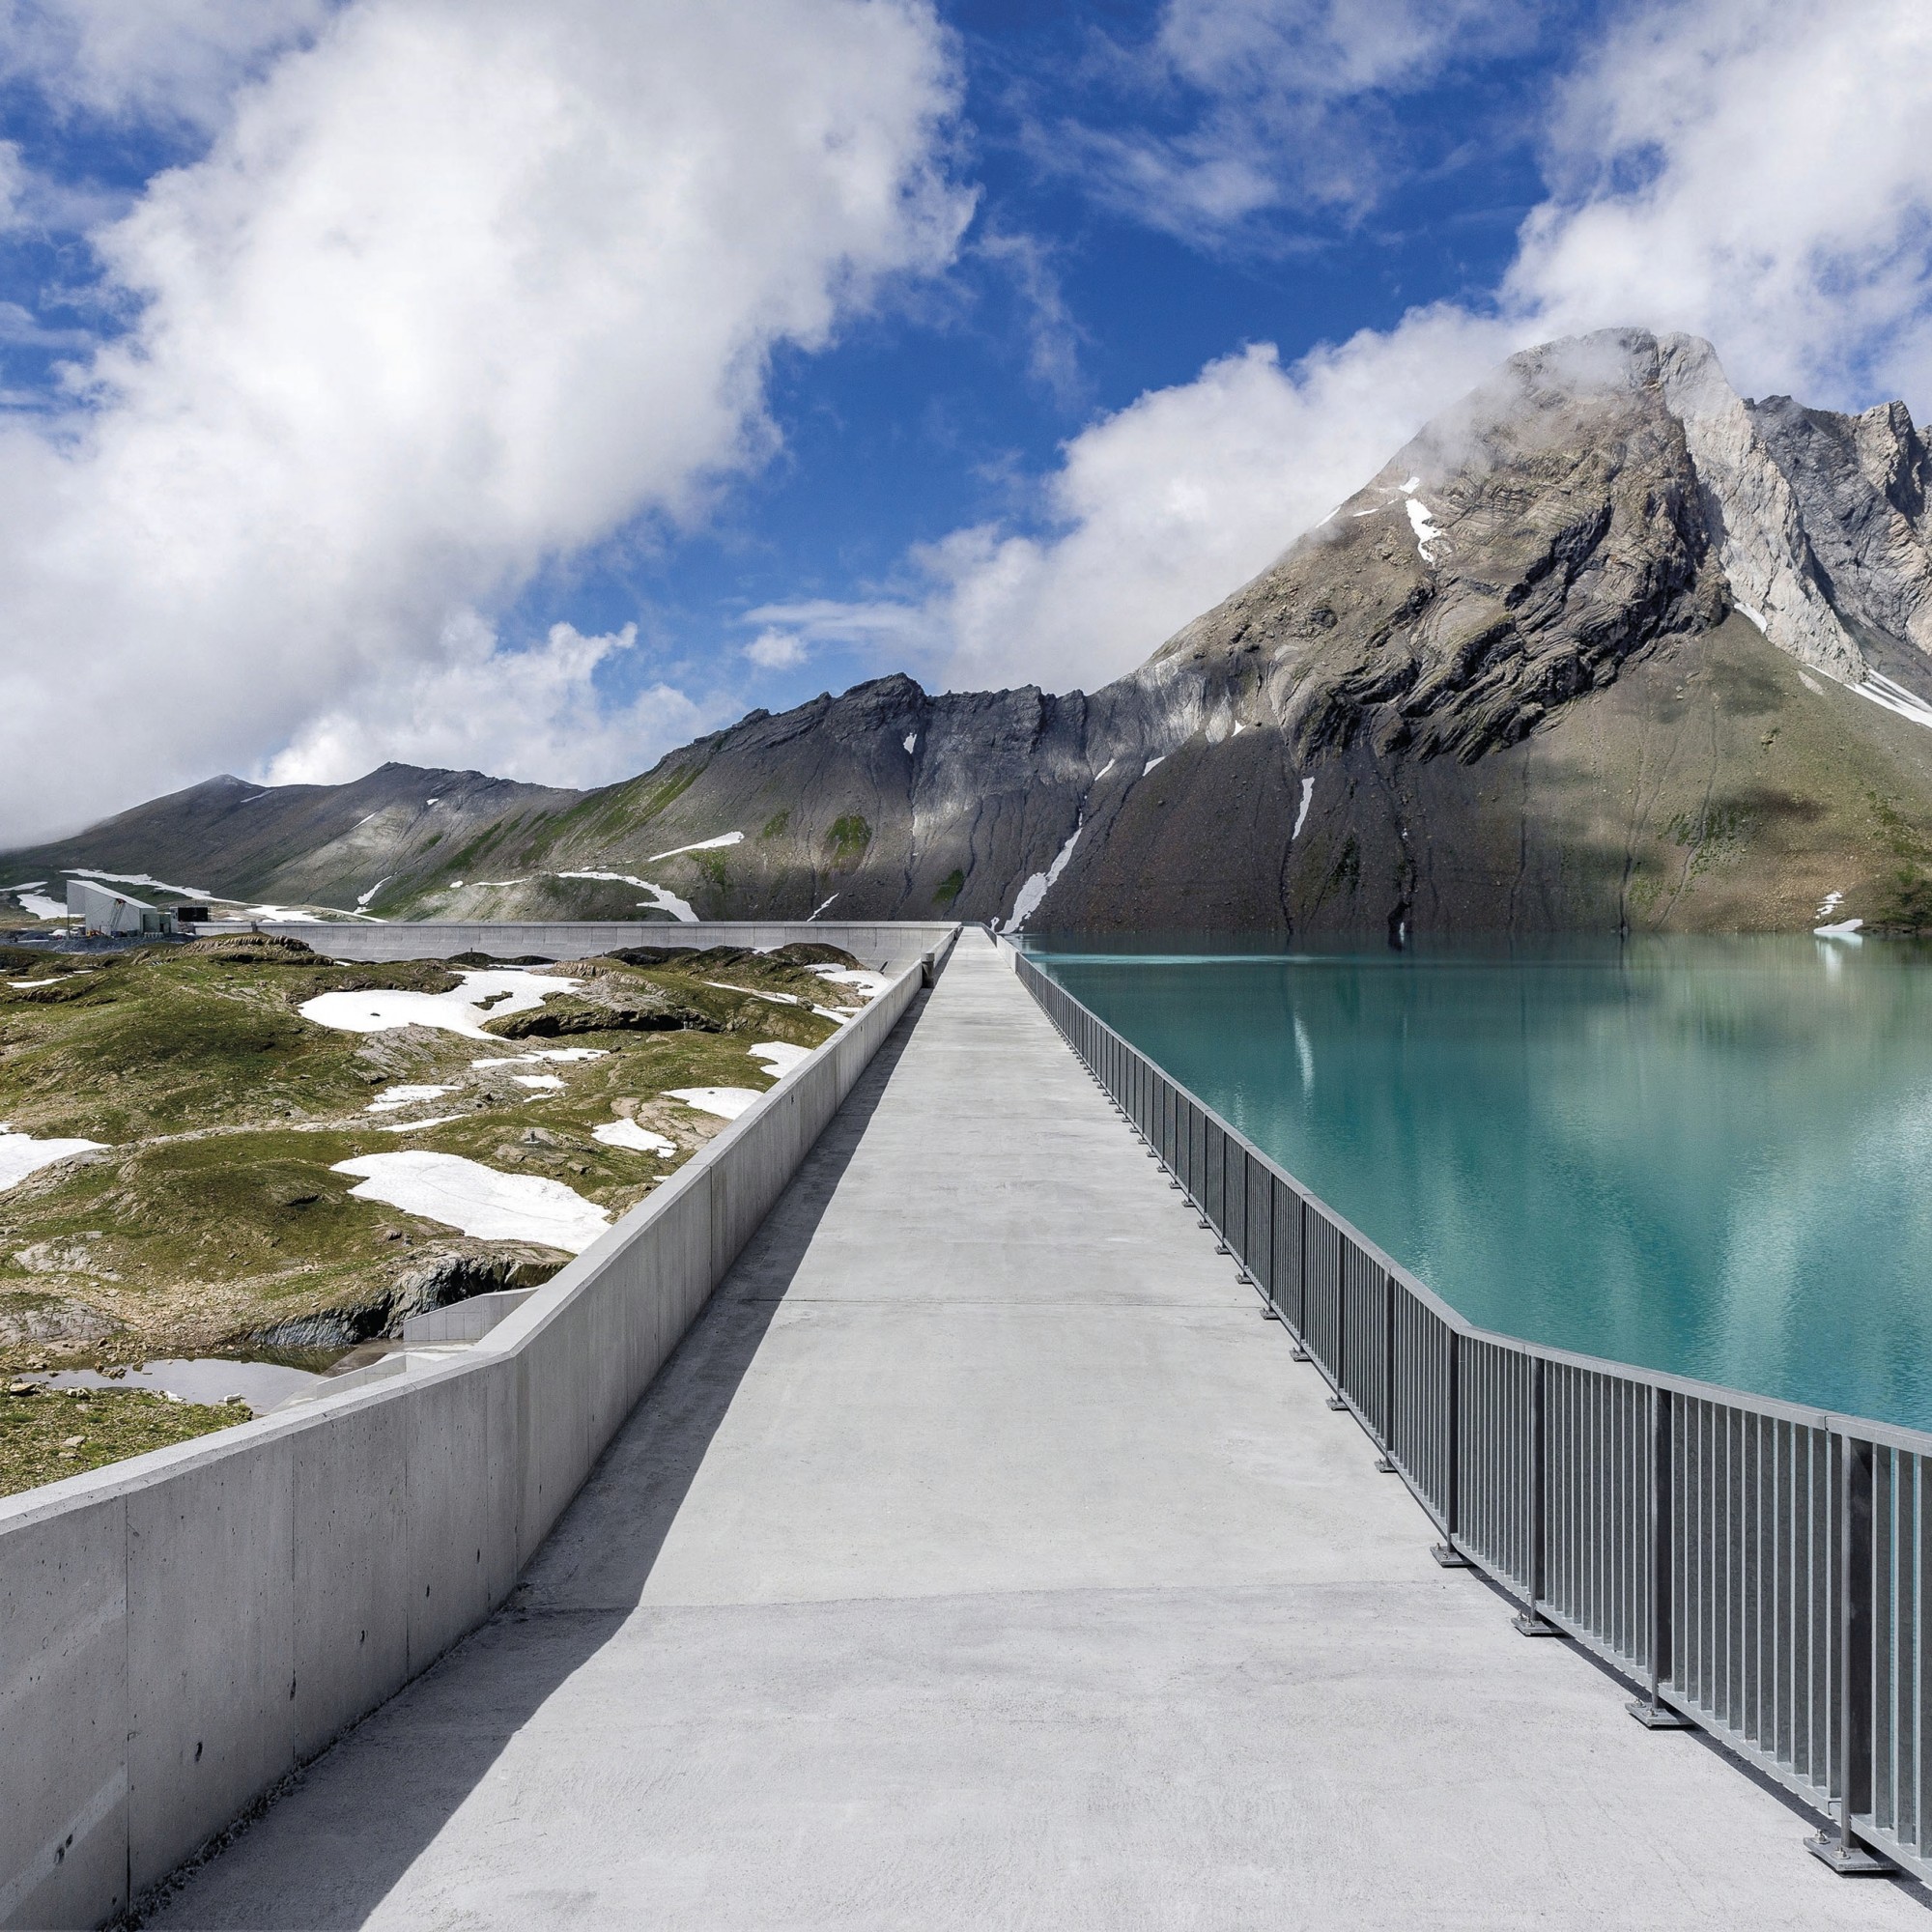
1233 124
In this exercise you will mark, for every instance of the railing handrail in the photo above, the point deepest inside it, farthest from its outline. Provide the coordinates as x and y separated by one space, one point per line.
1760 1562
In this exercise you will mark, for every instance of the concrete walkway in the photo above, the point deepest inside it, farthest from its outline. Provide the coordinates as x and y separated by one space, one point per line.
983 1560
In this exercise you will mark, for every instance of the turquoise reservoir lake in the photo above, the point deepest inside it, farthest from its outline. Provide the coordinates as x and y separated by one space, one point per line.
1709 1156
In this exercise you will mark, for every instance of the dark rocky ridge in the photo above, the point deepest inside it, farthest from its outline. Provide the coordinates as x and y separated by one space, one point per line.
1502 688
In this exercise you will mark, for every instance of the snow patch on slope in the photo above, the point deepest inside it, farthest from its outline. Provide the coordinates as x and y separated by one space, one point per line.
478 1199
779 1056
1301 814
722 840
663 899
21 1154
1891 696
508 991
629 1135
727 1102
1040 884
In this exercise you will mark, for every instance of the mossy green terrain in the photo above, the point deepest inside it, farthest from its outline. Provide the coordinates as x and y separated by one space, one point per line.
49 1434
210 1217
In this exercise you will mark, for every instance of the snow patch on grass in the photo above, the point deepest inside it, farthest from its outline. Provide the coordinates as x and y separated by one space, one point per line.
1894 697
628 1134
509 991
142 879
41 906
21 1154
544 1083
861 978
727 1102
478 1199
553 1053
393 1097
779 1056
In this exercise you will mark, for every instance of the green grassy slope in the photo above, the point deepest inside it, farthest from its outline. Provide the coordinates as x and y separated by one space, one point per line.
212 1214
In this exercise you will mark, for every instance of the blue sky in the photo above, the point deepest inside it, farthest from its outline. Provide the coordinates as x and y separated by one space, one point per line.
918 423
532 388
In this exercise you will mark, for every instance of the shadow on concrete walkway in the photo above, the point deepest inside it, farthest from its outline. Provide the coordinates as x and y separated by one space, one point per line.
468 1706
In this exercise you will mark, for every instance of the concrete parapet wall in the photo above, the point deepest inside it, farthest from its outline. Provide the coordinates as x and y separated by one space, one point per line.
881 946
181 1631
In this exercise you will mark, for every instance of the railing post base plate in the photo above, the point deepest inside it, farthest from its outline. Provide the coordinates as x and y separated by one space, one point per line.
1336 1403
1449 1556
1299 1354
1533 1623
1270 1312
1849 1860
1655 1716
1384 1468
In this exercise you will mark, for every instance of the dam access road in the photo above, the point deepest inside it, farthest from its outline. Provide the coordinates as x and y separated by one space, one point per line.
982 1559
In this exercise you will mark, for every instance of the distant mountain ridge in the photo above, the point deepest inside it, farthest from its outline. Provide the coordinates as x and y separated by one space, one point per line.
1606 648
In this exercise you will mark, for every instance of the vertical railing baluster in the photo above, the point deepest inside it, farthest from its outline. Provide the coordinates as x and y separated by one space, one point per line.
1844 1850
1652 1711
1386 1462
1531 1621
1447 1553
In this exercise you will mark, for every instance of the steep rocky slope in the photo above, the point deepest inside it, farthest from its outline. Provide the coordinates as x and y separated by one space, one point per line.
1605 646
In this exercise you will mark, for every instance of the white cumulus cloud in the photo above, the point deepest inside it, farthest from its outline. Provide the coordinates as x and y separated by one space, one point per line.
460 288
1757 171
1158 511
148 59
1262 108
476 706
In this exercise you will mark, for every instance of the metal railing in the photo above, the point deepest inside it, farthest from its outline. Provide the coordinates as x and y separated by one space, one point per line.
1761 1570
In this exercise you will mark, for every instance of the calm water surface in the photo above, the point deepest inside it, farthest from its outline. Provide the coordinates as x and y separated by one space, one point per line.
1712 1157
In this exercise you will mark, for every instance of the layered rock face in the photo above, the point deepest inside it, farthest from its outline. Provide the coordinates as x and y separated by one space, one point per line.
1605 646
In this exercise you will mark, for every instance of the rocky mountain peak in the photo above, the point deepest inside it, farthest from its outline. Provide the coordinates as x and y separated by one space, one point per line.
1511 555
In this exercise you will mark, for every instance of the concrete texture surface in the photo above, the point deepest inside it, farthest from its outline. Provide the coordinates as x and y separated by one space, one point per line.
981 1559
